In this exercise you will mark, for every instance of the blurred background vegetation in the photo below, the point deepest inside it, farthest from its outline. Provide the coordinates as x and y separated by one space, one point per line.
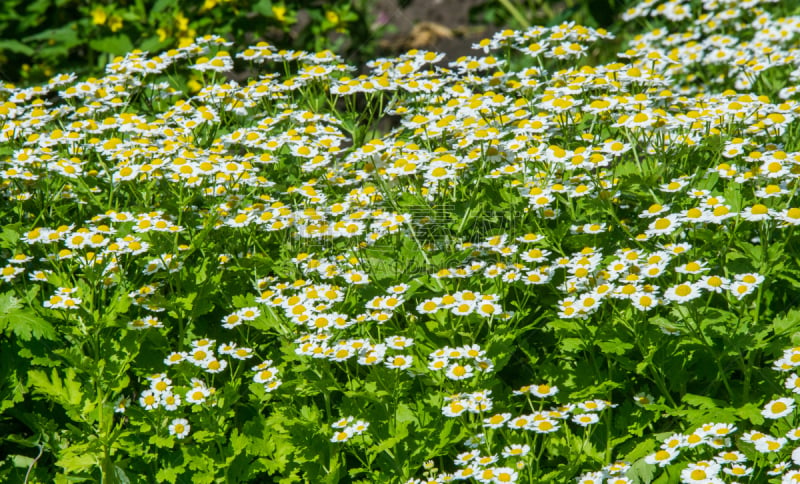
41 38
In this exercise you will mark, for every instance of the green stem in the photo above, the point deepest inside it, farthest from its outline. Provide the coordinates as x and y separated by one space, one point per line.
515 13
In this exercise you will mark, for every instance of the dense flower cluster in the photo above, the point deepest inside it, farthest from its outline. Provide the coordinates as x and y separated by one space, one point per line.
603 216
720 451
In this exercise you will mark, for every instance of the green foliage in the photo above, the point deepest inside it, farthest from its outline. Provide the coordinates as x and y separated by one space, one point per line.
23 321
42 37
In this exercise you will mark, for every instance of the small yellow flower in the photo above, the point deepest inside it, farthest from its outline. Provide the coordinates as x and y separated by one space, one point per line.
279 11
99 16
185 41
332 17
194 85
115 23
181 22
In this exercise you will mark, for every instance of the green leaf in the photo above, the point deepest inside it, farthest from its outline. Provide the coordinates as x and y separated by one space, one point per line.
115 44
185 302
24 322
664 323
751 412
641 450
63 35
9 236
405 414
78 458
111 314
159 6
786 323
570 345
154 44
614 347
238 442
203 436
785 276
705 408
8 302
161 441
12 390
594 391
244 300
21 460
169 474
642 472
119 474
701 401
16 47
66 392
28 324
198 460
733 197
399 434
264 7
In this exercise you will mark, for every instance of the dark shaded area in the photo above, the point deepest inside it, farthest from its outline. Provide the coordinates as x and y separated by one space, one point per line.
446 26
